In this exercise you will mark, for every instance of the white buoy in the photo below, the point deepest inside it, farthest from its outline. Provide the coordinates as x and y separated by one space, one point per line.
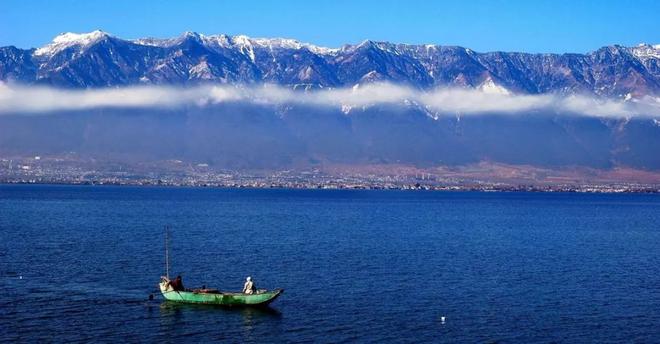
442 320
20 277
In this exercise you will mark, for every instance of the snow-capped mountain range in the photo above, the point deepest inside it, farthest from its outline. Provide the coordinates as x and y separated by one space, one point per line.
98 59
247 135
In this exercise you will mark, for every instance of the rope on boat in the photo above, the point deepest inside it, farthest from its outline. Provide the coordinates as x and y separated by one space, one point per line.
159 292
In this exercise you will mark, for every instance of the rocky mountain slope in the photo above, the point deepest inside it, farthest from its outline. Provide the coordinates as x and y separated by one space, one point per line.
98 59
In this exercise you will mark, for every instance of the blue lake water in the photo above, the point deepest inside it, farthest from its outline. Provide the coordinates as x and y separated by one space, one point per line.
77 263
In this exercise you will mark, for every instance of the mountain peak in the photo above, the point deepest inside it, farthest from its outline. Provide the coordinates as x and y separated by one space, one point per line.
242 40
69 39
646 51
191 34
77 37
365 43
646 45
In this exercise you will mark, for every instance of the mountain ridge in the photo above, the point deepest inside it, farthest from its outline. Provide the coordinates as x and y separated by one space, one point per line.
564 132
99 59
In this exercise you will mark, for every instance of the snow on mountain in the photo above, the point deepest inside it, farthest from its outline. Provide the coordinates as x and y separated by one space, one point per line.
612 71
646 51
241 41
245 45
69 39
154 42
248 44
285 43
489 86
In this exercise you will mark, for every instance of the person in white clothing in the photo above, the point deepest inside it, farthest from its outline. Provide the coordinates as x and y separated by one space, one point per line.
248 287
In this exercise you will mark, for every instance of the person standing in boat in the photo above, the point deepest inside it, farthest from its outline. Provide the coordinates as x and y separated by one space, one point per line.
249 287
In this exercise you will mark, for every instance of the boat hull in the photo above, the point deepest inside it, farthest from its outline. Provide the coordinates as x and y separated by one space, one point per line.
219 298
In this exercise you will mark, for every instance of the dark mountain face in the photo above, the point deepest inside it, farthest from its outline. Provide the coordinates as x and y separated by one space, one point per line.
300 67
97 59
450 66
108 62
237 135
17 65
378 62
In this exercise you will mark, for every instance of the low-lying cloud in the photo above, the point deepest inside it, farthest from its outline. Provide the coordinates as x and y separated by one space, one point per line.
22 99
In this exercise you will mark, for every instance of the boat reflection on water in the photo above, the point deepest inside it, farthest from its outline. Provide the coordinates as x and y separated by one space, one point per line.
173 306
175 315
250 314
175 310
252 317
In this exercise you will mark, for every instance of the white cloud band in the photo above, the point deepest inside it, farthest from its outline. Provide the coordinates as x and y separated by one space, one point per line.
21 99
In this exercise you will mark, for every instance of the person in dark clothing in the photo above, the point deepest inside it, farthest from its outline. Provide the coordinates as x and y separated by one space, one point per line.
177 284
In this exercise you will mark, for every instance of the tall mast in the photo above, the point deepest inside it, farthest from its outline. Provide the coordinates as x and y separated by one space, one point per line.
167 253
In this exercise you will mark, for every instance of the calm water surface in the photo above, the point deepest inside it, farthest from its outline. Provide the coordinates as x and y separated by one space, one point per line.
365 266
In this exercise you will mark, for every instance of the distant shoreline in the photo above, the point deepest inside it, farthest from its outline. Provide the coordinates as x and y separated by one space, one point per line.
600 189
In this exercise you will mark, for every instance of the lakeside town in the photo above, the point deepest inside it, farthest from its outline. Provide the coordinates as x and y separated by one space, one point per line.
38 170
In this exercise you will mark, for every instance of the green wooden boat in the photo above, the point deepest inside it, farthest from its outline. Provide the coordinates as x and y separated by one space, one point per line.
215 297
261 297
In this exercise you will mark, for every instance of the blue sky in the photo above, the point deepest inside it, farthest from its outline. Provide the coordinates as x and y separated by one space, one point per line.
530 26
